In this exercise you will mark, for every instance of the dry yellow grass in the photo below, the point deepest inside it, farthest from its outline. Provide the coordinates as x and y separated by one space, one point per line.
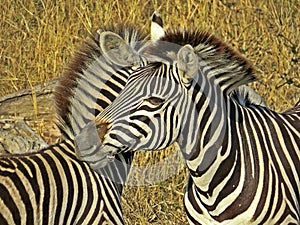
38 37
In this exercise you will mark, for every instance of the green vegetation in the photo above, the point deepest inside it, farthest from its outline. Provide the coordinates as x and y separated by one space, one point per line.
38 38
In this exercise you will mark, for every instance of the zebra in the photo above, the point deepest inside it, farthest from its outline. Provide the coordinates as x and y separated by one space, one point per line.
91 82
242 157
52 186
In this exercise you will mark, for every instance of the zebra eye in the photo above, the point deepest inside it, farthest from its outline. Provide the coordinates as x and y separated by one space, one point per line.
155 100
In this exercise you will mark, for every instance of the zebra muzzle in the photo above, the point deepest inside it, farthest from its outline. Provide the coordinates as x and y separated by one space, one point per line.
89 141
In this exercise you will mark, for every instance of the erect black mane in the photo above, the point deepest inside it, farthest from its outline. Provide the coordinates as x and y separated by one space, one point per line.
210 49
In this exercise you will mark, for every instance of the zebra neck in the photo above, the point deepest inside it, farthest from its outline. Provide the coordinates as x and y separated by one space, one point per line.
230 165
247 166
216 144
207 121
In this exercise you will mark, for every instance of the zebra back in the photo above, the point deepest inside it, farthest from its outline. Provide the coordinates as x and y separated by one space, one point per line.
53 187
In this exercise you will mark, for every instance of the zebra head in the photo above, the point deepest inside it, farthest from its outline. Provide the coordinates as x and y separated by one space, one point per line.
179 97
148 112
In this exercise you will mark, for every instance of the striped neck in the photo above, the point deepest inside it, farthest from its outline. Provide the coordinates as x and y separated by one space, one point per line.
219 161
206 120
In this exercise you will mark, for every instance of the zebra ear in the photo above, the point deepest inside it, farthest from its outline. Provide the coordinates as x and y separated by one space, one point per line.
157 30
187 63
117 50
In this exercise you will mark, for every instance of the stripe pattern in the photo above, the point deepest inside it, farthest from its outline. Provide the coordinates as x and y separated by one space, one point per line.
243 158
53 186
90 83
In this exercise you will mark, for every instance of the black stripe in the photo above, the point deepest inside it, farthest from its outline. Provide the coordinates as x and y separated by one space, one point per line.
148 108
138 128
5 163
3 221
70 182
192 199
142 118
263 199
107 94
58 186
102 103
97 208
33 180
46 185
124 72
201 101
23 192
68 150
10 204
90 195
121 139
79 193
114 200
113 85
172 124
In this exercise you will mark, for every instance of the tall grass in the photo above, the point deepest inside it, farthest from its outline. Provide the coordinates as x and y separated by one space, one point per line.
38 38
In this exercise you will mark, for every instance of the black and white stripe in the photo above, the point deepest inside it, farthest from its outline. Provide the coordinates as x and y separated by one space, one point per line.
53 186
243 158
91 82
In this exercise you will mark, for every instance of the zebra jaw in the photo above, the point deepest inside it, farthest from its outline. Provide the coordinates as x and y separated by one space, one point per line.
98 156
102 156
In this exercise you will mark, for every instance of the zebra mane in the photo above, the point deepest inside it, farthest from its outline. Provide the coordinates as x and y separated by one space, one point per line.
295 109
76 71
232 66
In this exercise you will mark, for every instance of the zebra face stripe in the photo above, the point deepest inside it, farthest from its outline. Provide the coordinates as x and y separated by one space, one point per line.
144 113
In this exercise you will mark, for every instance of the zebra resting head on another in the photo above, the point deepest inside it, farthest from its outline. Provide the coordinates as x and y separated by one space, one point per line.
52 186
243 158
92 81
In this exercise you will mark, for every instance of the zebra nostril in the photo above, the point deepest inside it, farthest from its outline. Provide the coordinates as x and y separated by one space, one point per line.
102 129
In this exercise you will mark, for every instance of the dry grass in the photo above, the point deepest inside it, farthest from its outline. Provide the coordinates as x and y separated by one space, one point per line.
38 37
